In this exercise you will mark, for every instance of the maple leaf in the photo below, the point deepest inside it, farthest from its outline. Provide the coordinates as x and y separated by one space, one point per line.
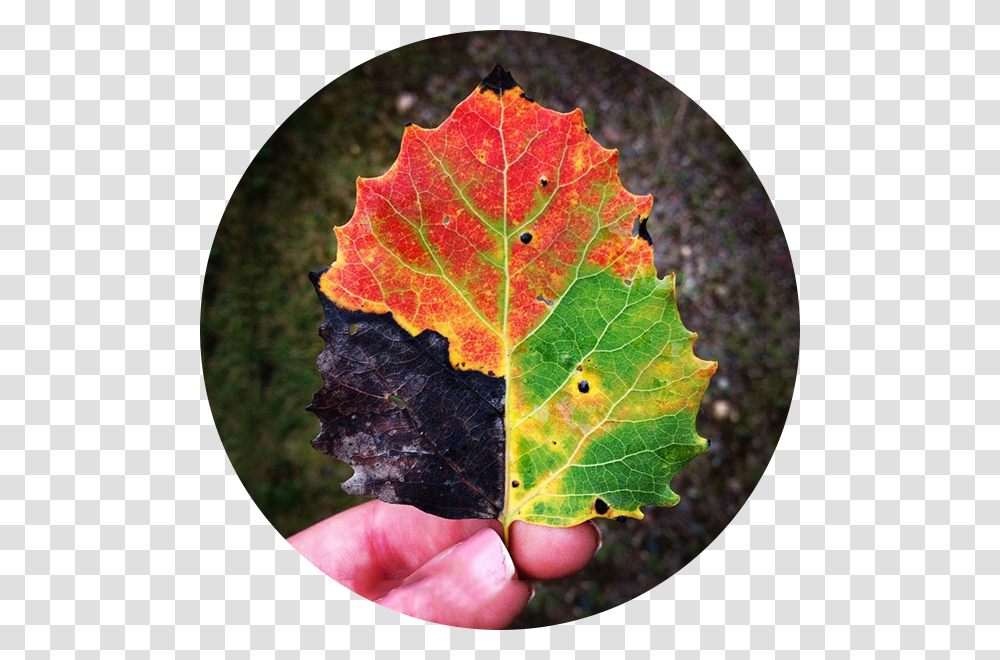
498 342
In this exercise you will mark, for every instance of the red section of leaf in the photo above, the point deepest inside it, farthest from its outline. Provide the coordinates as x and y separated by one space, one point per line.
435 239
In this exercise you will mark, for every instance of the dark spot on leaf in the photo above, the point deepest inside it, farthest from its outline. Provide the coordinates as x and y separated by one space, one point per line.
526 237
399 403
709 443
586 129
583 386
544 181
515 483
601 507
447 219
555 442
547 301
579 367
498 81
527 98
408 124
621 519
628 282
352 329
639 229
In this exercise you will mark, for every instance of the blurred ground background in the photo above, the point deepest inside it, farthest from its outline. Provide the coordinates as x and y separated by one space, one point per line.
712 224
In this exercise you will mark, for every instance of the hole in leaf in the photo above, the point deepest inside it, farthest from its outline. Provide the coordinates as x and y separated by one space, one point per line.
601 507
447 219
628 282
399 403
583 386
547 301
352 329
515 483
526 237
544 181
639 229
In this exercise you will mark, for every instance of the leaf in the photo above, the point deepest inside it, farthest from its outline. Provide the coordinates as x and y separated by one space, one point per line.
494 296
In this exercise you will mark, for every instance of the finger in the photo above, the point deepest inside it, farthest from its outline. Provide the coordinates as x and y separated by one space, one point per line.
371 548
471 585
549 553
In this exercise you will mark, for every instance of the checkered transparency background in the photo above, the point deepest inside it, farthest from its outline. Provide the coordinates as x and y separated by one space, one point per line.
124 128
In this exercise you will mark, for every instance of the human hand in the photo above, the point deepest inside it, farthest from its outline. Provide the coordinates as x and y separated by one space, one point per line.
454 572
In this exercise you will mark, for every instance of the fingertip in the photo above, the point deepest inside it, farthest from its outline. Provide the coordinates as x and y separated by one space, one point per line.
505 608
550 553
470 585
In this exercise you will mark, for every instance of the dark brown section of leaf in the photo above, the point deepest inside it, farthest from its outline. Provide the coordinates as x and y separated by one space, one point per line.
442 450
498 81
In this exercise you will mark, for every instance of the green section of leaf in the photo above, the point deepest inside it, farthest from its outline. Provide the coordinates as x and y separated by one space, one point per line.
612 389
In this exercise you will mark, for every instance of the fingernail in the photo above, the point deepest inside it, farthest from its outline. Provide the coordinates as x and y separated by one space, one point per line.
531 594
600 538
488 556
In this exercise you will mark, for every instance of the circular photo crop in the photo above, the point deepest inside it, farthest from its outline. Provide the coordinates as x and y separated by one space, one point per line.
557 330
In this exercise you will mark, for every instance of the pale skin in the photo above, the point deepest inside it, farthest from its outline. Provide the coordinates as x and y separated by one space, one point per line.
453 572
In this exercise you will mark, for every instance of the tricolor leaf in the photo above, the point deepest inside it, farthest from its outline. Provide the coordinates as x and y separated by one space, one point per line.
498 342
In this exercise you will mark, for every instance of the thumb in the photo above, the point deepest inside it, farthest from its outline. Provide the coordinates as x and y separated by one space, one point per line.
472 584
